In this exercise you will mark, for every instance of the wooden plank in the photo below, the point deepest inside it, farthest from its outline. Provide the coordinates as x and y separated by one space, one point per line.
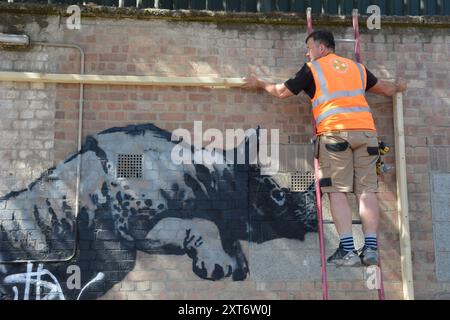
120 80
402 199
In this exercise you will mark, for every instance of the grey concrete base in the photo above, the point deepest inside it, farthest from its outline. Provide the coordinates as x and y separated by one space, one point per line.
287 259
440 206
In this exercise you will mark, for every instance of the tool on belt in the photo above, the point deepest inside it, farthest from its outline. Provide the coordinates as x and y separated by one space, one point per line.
383 149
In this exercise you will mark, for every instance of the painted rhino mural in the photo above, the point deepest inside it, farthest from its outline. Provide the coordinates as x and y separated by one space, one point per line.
201 211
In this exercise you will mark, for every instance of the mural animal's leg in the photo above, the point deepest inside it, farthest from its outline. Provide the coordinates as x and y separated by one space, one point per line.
239 273
200 240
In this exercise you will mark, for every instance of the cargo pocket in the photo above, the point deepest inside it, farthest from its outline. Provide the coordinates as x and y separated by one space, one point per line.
325 182
337 147
372 143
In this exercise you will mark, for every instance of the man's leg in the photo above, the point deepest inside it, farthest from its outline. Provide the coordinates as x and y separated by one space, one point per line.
346 254
365 186
369 212
341 212
370 217
336 179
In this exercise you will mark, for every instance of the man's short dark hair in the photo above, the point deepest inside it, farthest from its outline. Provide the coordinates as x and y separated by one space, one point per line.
325 37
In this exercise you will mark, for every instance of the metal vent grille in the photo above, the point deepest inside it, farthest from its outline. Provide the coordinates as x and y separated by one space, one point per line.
129 166
301 181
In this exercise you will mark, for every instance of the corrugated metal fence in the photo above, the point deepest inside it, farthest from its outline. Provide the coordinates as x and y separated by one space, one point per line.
342 7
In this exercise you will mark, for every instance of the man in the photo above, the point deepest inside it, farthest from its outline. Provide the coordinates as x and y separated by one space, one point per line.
346 137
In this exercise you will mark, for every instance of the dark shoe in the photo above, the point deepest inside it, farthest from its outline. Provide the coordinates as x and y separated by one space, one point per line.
369 256
343 258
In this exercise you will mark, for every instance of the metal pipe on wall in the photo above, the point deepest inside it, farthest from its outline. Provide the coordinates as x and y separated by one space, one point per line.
80 128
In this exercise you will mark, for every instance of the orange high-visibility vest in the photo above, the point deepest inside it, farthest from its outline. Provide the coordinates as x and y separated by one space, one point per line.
339 103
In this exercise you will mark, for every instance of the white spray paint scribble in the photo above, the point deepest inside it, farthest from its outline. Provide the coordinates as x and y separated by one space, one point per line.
100 276
30 278
52 290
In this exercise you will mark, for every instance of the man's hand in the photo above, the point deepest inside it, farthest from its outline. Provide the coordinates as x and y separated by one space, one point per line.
252 82
276 90
387 88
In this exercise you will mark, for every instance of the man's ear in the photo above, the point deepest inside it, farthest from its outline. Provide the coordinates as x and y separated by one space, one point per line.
322 48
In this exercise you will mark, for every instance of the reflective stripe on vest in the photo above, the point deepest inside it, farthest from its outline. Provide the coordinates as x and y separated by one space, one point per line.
334 111
326 96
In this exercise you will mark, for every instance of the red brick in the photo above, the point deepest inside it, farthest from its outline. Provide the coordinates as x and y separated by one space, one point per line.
129 106
59 115
103 115
119 115
199 97
96 105
112 57
89 115
172 116
114 106
145 116
190 51
113 96
60 135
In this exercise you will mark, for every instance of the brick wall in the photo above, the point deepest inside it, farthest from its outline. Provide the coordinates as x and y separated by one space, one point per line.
41 126
27 125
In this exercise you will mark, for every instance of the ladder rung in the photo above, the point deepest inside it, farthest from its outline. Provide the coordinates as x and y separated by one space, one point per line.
344 40
332 222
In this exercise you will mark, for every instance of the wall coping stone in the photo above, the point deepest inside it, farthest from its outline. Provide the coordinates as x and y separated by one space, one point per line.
220 17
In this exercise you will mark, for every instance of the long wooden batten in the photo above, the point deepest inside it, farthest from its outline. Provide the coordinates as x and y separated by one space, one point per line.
120 79
402 200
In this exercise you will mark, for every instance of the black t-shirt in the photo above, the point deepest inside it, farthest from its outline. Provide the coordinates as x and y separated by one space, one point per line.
304 80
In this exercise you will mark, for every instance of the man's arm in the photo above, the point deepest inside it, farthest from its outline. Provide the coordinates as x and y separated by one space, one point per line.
388 89
276 90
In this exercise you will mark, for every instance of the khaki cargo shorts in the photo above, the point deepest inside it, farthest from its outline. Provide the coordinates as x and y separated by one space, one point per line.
347 161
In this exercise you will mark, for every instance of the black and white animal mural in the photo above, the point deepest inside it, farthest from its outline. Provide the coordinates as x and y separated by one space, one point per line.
133 197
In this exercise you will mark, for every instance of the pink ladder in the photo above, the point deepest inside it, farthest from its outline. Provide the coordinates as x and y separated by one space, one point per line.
321 221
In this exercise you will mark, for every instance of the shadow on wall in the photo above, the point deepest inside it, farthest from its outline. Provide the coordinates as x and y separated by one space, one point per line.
133 197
